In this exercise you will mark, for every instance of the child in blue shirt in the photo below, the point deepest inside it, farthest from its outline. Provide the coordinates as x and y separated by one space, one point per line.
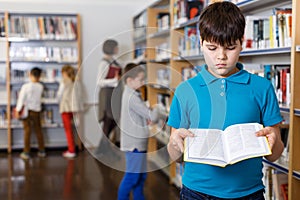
220 95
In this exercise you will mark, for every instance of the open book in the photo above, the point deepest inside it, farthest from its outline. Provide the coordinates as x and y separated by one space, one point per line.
216 147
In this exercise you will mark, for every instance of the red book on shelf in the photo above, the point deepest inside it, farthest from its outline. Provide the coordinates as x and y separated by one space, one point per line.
284 190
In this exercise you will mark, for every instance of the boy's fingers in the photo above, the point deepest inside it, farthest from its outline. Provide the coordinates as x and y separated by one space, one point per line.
185 133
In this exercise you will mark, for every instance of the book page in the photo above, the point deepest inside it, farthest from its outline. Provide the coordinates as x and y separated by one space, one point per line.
205 147
242 143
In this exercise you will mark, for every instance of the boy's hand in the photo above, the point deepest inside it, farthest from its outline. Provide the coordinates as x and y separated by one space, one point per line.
270 133
274 138
176 142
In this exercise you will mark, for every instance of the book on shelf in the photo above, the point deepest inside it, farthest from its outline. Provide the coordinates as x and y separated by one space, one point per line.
163 21
220 148
279 179
194 8
284 190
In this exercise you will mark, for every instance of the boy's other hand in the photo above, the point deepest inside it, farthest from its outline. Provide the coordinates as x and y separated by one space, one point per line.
177 137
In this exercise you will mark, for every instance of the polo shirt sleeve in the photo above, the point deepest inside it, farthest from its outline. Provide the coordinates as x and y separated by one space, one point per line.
270 110
177 118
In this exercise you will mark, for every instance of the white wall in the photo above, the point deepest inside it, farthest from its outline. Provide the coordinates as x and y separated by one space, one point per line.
100 19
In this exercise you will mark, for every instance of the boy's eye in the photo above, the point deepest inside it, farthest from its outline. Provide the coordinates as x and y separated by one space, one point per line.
231 48
212 48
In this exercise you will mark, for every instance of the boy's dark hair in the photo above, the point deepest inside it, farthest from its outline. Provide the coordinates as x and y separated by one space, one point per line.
36 72
222 23
109 46
132 70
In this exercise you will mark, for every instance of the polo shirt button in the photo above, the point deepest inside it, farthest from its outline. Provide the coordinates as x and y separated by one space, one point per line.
222 93
223 81
222 86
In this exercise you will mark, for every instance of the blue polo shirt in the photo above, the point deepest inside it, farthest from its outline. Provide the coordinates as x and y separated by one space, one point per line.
209 102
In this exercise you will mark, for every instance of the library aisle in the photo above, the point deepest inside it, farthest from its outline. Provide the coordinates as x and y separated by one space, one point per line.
82 178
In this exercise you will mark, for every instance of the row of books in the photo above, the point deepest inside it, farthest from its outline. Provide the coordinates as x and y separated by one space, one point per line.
46 118
49 75
188 44
280 77
162 51
163 21
44 54
269 31
185 10
48 96
43 27
163 77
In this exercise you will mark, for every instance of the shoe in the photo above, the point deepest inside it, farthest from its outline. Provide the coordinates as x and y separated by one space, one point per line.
25 155
68 154
41 154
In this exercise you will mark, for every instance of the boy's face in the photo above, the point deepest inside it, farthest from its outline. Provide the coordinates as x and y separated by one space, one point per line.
137 82
221 60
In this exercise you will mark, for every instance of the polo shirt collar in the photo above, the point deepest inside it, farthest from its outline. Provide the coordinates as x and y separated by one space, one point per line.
207 78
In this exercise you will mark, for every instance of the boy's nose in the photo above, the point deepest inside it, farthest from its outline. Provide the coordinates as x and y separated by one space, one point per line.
222 54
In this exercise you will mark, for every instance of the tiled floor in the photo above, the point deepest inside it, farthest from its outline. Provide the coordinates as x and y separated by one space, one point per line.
57 178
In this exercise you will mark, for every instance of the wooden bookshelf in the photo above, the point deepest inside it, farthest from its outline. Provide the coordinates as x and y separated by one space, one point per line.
294 159
30 42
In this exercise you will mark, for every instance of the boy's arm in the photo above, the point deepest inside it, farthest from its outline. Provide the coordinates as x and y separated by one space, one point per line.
274 138
175 145
137 105
21 99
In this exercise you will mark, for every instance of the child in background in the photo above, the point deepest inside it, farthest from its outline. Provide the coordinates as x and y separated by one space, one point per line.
67 107
220 95
30 99
135 116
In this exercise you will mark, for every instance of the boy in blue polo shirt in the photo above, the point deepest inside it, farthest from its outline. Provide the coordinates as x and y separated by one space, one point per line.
223 94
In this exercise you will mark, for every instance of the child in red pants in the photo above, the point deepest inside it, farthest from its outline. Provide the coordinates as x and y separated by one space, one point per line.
66 108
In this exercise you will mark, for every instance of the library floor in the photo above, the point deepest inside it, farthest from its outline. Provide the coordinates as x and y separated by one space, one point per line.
82 178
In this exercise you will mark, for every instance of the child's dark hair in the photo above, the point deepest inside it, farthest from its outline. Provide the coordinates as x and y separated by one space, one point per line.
222 23
132 70
70 71
109 46
36 72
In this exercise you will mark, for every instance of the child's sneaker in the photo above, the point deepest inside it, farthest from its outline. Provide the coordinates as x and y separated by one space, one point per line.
25 155
41 154
68 154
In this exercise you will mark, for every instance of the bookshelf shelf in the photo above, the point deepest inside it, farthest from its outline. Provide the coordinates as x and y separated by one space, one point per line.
262 52
162 33
43 62
297 112
166 60
281 164
141 39
26 40
189 58
284 109
250 5
187 23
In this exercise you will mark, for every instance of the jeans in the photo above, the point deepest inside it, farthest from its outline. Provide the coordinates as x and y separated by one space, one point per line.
188 194
134 177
